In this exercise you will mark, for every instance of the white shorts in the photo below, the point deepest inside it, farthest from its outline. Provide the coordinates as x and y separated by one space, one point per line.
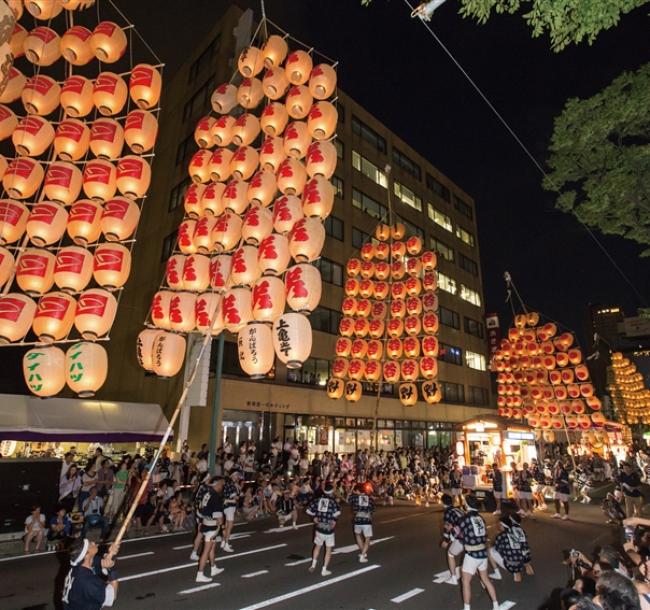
471 564
497 495
109 596
455 548
229 512
561 497
210 534
537 488
496 557
326 539
365 529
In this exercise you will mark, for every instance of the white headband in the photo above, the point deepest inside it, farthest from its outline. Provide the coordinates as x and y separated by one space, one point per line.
82 554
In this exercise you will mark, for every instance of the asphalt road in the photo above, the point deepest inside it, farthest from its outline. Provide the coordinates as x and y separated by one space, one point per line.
269 568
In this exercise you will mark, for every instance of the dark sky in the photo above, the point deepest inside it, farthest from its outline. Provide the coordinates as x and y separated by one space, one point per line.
391 65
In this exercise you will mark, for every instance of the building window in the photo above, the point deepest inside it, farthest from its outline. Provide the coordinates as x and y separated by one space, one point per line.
200 101
442 249
368 205
407 164
451 354
452 392
439 217
185 150
169 243
368 134
478 396
472 327
411 229
463 207
467 263
359 237
469 295
447 283
314 371
326 320
177 195
449 318
437 187
337 183
474 360
369 169
407 196
465 236
330 271
205 58
339 148
334 227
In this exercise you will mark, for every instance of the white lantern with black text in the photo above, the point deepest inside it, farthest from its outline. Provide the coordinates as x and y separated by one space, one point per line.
255 348
168 354
292 339
144 348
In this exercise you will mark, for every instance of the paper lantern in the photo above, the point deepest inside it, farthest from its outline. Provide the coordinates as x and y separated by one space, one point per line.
23 177
555 377
42 46
298 102
168 354
581 372
298 67
575 356
145 85
274 119
222 130
306 240
367 251
271 154
353 391
18 36
227 232
14 86
352 267
192 200
428 367
144 348
361 327
218 165
106 138
140 131
573 390
250 93
250 62
54 316
335 388
34 271
340 368
244 162
274 51
296 139
410 369
321 159
343 347
111 266
372 371
323 119
375 349
429 260
561 359
119 218
413 286
408 394
398 250
262 189
7 265
109 93
95 314
62 182
73 268
77 96
395 327
237 308
430 301
382 268
258 224
224 98
268 299
292 339
44 9
431 392
346 327
593 402
99 179
287 211
84 222
275 83
273 254
8 122
108 42
16 314
32 136
160 309
255 349
366 289
44 370
208 312
211 199
322 81
349 306
429 281
398 309
398 231
245 269
202 238
203 132
75 45
245 129
174 271
357 369
430 346
598 419
46 223
195 273
413 266
235 196
318 197
584 422
182 311
133 176
292 177
71 140
398 290
394 348
586 390
303 287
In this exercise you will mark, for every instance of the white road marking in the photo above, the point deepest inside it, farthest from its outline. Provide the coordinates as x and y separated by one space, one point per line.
212 585
353 547
240 535
253 574
183 546
326 583
134 555
442 574
402 518
408 595
288 528
189 565
507 605
183 533
297 563
25 556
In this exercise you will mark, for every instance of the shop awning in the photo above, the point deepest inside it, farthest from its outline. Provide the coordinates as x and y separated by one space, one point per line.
27 418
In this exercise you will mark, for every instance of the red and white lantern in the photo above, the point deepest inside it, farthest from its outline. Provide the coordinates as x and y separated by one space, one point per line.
250 62
42 46
303 287
268 299
235 196
275 83
246 129
71 139
75 45
220 267
287 211
32 136
224 98
8 122
46 223
321 159
140 131
296 139
62 182
119 218
16 315
108 42
77 96
298 67
245 269
133 176
226 233
274 51
322 81
99 180
160 309
73 269
222 130
306 240
298 102
208 312
322 121
202 238
195 273
199 166
244 162
211 202
54 316
109 93
145 85
106 138
111 266
292 177
250 93
273 254
237 308
174 271
182 312
219 164
258 224
23 177
318 197
274 119
84 222
96 309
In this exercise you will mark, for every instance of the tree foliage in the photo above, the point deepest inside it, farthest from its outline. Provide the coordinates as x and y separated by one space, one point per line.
600 158
565 21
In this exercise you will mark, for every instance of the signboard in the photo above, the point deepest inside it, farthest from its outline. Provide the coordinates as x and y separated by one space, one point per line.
520 436
493 331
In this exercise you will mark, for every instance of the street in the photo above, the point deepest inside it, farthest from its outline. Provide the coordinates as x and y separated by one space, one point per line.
269 567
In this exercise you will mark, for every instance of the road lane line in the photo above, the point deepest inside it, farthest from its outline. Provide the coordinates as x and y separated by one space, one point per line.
212 585
254 574
401 518
193 563
326 583
507 605
25 556
134 555
242 535
288 528
183 546
297 563
408 595
353 547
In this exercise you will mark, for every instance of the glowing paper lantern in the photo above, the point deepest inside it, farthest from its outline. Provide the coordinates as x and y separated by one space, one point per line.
34 271
192 200
43 9
275 83
296 140
250 93
99 180
258 224
17 39
86 368
224 98
298 102
322 81
357 369
23 177
174 271
235 196
111 266
46 223
106 138
109 93
73 268
108 42
274 119
133 176
273 254
323 118
244 162
14 86
220 267
287 211
182 311
292 177
318 197
42 46
335 388
195 273
303 287
208 313
95 314
353 391
246 129
245 269
306 239
268 299
255 348
202 238
54 316
84 222
431 392
292 339
168 354
226 233
160 309
408 394
237 308
272 154
71 140
75 45
298 67
77 96
119 218
145 85
321 159
140 131
144 348
250 62
16 314
391 371
218 165
274 51
62 182
44 370
7 264
32 136
8 122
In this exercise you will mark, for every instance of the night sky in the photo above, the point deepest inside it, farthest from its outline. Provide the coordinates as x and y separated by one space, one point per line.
391 65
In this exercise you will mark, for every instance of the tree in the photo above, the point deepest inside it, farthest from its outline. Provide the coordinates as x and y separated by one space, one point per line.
600 158
565 21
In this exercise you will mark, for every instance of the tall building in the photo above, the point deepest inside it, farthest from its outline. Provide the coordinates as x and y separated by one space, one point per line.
294 403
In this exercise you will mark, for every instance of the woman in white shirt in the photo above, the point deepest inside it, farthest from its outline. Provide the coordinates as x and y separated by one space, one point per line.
35 529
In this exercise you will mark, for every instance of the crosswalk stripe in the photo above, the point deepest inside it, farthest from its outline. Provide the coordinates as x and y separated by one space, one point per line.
211 585
408 595
253 574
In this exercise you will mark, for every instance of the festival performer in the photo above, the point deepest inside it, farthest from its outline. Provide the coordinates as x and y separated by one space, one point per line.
211 520
286 509
362 509
325 511
231 493
451 518
201 491
507 552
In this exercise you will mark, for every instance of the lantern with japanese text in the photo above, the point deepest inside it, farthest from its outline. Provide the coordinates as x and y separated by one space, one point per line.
196 273
108 42
119 218
353 391
182 312
34 271
268 299
86 368
322 81
46 223
44 370
335 388
408 394
13 220
112 265
237 308
73 268
168 353
133 176
99 180
273 254
54 316
23 177
140 131
274 119
109 93
306 239
303 287
32 136
84 222
62 182
255 349
292 339
77 96
16 315
145 85
71 139
96 309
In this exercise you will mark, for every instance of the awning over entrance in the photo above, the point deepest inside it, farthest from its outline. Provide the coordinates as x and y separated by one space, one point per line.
27 418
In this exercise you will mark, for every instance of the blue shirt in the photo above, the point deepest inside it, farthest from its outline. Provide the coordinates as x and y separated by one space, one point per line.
325 510
510 550
83 589
362 507
473 533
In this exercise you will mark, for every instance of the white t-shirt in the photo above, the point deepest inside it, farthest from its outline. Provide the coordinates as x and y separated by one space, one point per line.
38 525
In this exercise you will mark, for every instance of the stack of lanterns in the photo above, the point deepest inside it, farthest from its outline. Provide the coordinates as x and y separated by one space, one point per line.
388 333
254 213
630 397
543 378
73 188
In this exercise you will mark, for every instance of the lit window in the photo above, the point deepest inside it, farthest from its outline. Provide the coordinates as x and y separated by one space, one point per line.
451 354
442 249
469 295
446 283
474 360
369 169
368 205
407 196
465 236
439 218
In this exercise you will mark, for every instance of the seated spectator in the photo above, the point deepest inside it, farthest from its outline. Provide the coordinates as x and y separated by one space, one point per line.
92 509
35 529
146 511
60 529
616 592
